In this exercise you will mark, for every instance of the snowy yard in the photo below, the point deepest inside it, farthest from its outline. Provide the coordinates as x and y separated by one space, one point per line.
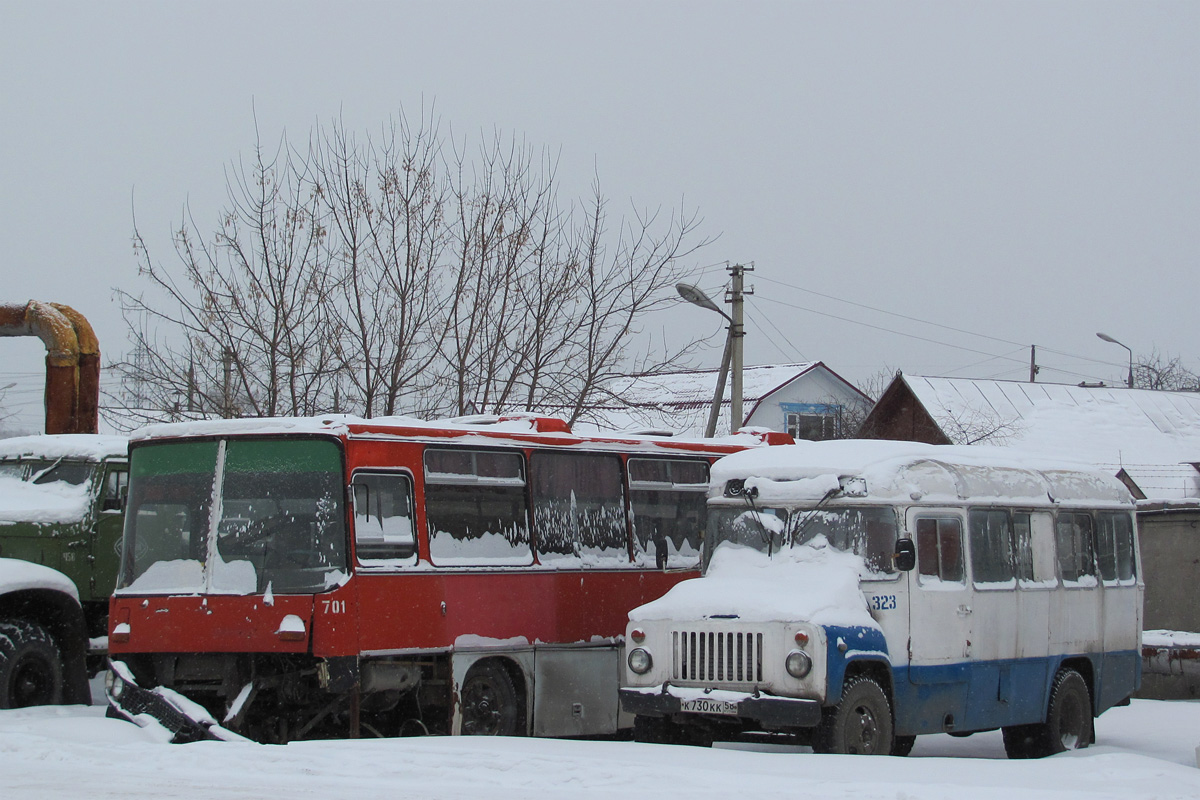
1146 750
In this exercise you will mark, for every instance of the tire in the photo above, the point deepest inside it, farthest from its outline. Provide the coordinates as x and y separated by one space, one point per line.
861 724
490 703
903 745
1068 725
31 671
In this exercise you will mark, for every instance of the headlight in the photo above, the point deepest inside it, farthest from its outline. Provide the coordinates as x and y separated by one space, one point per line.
114 686
798 664
640 660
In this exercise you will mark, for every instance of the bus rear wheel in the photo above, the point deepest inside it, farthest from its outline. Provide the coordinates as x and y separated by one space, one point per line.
861 724
490 704
30 666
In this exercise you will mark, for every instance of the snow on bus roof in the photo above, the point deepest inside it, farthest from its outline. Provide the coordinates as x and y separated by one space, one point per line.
487 427
904 471
83 446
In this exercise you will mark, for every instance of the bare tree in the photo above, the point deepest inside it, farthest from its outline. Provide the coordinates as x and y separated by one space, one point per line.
391 274
385 209
1164 372
245 310
976 426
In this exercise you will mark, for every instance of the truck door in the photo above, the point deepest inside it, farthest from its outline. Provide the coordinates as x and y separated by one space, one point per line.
105 541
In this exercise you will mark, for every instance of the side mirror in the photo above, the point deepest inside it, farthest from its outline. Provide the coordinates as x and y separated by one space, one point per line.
905 555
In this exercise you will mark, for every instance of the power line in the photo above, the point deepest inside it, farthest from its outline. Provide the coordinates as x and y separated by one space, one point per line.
933 324
891 331
782 335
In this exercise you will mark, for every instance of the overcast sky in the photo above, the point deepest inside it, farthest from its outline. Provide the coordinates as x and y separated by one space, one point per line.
1029 171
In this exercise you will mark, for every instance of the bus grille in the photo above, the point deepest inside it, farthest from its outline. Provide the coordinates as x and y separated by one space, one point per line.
717 656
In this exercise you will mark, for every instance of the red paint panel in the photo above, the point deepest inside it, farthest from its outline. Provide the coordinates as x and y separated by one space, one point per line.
405 611
213 624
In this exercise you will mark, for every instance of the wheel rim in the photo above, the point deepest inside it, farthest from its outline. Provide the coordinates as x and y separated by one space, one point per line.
863 738
32 683
481 709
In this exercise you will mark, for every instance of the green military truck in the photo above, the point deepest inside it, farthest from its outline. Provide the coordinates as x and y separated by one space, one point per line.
62 500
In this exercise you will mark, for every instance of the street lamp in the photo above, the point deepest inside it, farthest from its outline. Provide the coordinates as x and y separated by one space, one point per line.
697 297
1111 340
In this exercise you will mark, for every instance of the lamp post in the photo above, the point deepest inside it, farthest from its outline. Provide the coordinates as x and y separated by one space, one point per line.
697 297
1111 340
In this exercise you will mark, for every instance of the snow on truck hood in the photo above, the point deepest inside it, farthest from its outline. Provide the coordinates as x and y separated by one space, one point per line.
811 582
42 503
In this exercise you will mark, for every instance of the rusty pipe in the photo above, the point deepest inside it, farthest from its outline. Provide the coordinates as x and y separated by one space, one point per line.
86 415
69 367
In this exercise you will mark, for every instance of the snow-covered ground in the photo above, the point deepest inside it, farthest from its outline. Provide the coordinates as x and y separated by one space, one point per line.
1146 750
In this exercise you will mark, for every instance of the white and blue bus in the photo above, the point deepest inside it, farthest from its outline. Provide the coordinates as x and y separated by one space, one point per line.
859 594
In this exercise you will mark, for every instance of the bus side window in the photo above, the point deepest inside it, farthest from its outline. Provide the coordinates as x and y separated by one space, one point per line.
668 498
475 507
1033 547
939 549
383 521
1073 534
1114 540
578 508
991 546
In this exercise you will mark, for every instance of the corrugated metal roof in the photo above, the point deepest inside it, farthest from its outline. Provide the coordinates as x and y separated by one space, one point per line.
1153 435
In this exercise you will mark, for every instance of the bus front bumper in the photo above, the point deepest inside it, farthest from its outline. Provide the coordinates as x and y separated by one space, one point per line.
769 711
183 719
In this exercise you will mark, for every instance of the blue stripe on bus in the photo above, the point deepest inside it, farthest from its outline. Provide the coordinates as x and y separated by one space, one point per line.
983 695
979 695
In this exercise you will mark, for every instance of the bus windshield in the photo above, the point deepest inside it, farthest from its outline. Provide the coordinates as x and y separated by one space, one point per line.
279 526
868 531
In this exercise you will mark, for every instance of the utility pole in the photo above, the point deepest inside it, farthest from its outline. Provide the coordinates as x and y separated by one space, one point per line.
737 333
1033 367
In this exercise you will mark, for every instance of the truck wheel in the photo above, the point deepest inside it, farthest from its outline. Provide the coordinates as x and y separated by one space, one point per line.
490 705
903 745
31 672
860 724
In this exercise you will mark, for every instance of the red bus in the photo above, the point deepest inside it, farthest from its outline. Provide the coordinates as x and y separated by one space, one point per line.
302 578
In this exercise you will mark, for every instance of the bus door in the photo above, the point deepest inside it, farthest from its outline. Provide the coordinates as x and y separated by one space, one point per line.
1115 556
1037 582
939 623
993 619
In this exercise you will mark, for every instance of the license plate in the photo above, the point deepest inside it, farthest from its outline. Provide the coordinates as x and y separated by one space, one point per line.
703 705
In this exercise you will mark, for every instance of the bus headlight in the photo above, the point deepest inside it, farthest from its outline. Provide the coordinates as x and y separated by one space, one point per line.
640 661
113 685
798 664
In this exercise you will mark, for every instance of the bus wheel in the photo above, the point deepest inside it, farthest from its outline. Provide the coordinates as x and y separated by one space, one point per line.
860 724
490 706
1068 724
30 666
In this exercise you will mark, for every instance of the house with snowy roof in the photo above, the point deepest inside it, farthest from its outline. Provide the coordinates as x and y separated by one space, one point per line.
807 400
1149 439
